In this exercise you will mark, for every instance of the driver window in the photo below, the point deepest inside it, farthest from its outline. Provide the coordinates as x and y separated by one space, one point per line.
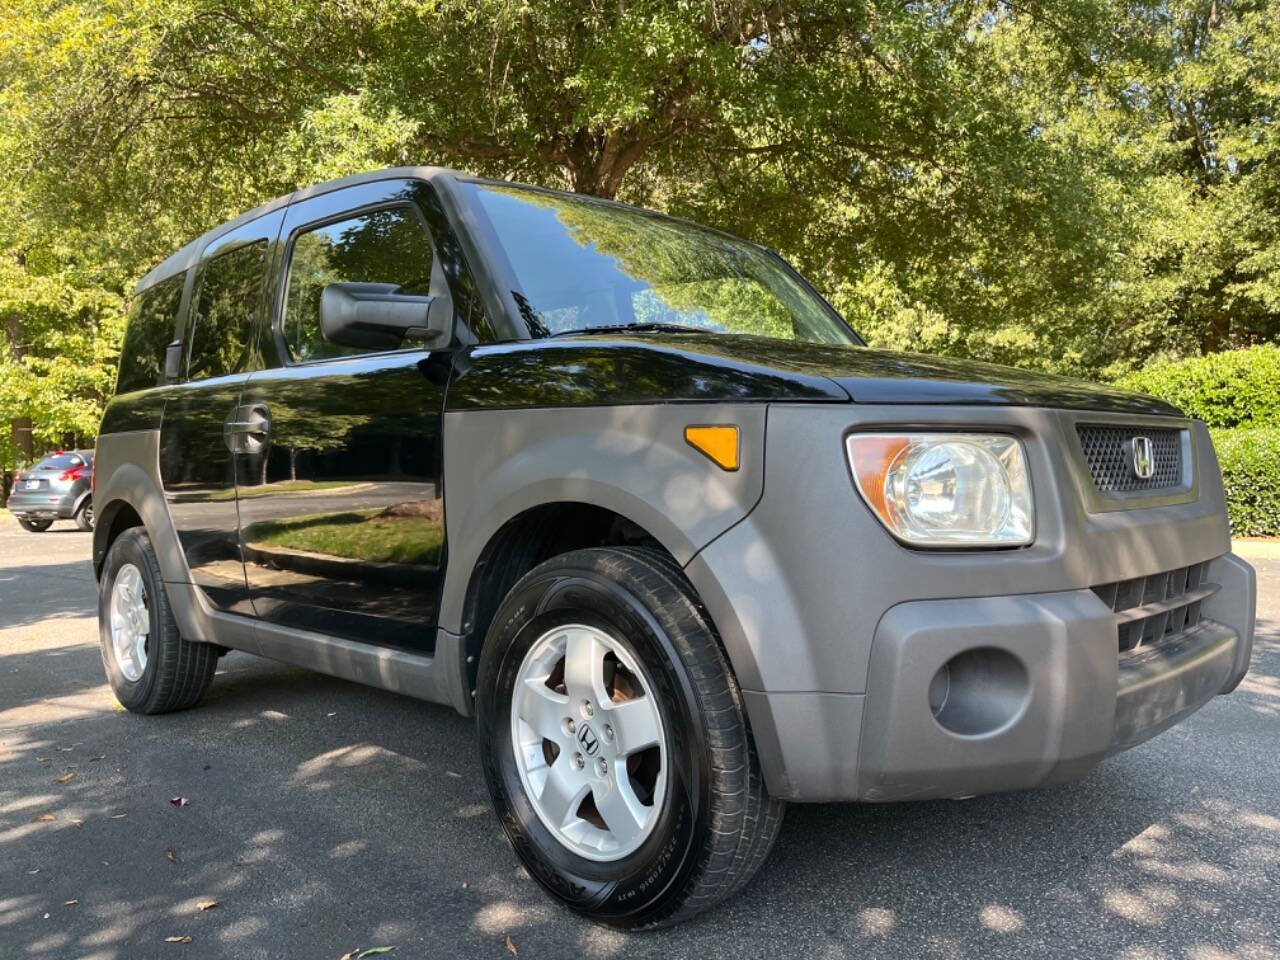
385 246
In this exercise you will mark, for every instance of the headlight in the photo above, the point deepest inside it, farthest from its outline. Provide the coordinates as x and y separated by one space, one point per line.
946 489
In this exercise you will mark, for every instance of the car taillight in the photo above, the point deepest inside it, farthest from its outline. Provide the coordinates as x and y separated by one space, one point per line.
75 473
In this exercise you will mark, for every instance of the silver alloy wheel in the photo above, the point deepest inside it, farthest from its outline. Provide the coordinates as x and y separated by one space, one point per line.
130 622
589 742
88 515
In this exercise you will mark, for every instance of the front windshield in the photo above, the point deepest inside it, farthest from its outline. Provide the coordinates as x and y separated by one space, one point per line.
585 265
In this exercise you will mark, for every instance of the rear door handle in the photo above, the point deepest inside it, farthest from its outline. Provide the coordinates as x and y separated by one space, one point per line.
248 429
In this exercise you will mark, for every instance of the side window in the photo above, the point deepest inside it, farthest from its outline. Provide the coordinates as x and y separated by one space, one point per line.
149 329
226 305
385 246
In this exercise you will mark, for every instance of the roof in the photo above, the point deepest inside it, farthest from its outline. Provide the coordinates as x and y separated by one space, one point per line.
186 257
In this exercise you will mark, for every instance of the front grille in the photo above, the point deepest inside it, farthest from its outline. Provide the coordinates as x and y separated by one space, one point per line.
1153 608
1109 453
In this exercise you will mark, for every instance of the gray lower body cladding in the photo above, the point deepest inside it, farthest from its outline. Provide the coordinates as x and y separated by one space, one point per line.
876 672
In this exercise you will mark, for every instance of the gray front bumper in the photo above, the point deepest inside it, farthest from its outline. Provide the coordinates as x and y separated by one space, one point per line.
1073 701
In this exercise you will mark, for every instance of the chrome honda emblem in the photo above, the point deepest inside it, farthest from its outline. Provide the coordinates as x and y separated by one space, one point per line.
587 740
1143 458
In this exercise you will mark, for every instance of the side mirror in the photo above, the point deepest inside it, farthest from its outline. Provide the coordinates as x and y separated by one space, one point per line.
378 316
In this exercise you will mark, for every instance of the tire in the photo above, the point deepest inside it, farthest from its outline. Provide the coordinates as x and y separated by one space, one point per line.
169 673
710 821
84 516
34 526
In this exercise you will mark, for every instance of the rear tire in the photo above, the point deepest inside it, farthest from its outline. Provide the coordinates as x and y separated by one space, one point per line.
150 667
711 822
84 516
34 526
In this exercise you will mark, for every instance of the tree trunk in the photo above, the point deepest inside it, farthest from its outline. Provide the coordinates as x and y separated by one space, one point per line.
19 427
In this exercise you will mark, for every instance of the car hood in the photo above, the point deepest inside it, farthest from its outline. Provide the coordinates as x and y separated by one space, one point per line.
643 367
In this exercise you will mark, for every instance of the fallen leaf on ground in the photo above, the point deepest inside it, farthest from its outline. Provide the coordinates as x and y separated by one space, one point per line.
78 823
118 816
334 714
177 939
32 873
93 759
456 776
204 905
44 759
511 945
69 903
179 801
168 852
65 778
372 951
65 749
465 885
43 818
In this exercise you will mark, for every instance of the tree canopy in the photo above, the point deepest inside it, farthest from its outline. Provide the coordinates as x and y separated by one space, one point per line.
1077 185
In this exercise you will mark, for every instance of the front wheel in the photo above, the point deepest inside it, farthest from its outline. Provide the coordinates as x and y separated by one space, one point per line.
614 742
34 526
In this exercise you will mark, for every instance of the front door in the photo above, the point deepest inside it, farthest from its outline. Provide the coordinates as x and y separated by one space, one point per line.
341 512
199 425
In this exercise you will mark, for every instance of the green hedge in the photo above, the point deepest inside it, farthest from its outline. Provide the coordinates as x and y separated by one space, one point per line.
1250 460
1229 389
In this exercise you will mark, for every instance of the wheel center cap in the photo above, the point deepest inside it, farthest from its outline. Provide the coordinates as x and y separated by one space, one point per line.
588 740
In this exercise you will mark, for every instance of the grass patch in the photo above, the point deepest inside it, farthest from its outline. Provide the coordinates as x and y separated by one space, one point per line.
357 535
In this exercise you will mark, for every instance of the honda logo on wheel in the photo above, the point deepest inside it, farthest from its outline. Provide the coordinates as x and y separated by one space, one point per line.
1144 458
587 740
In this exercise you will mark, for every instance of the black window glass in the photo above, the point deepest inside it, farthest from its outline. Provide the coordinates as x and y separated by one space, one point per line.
148 331
230 293
386 246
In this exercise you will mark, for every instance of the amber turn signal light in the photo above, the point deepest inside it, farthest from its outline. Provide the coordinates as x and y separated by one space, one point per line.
718 443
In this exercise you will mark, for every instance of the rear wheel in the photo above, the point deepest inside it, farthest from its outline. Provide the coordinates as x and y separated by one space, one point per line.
34 526
614 741
150 667
84 516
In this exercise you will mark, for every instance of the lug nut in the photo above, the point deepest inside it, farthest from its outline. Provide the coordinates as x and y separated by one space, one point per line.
569 724
578 761
586 708
608 731
601 767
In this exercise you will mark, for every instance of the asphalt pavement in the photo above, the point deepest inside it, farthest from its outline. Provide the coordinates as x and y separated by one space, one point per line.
322 816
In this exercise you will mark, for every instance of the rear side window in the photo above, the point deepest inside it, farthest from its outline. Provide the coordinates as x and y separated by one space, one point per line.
386 246
149 330
226 307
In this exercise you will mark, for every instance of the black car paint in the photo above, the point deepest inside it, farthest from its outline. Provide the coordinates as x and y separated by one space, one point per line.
390 457
622 367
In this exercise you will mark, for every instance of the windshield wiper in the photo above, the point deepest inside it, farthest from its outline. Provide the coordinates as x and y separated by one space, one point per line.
629 328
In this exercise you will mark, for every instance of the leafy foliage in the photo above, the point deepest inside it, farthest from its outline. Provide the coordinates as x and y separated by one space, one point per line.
1229 389
1250 460
1075 186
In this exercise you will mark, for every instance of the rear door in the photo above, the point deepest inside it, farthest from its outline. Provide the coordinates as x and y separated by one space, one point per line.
342 520
202 423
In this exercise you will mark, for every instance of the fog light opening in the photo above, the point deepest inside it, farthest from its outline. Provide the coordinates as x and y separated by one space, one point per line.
979 692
